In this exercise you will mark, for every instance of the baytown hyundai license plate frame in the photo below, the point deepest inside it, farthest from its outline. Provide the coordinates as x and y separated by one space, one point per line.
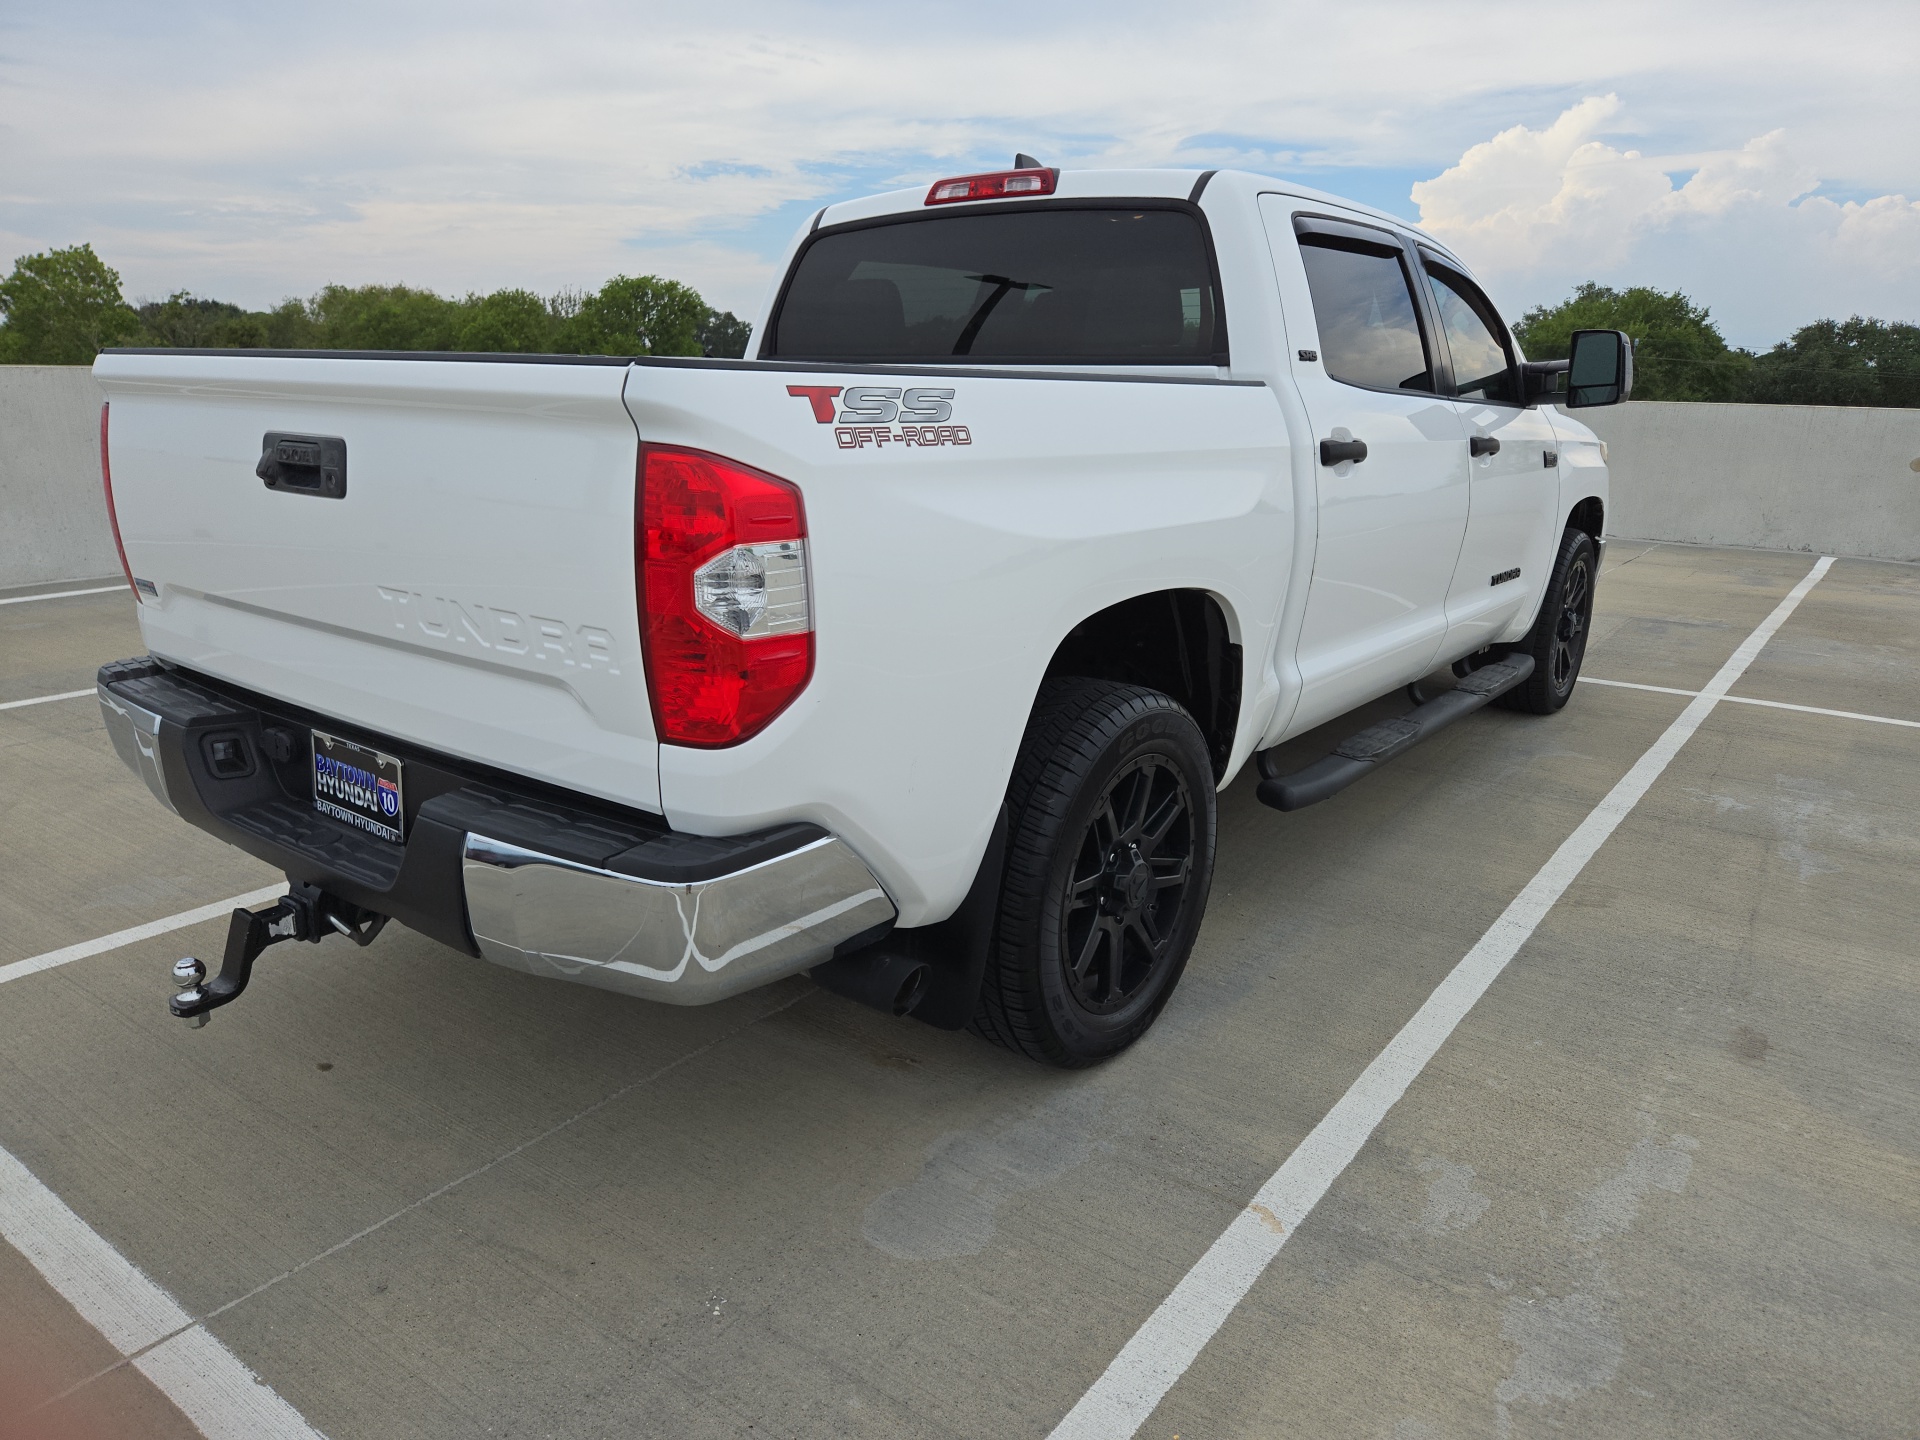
358 785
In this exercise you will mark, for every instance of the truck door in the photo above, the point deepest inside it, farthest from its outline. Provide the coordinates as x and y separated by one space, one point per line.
1390 524
1513 518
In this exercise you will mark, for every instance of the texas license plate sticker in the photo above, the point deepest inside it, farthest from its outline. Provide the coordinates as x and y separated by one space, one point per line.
357 785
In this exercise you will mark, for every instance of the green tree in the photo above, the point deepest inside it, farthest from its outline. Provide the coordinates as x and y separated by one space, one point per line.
291 325
62 308
183 320
384 317
1841 362
515 321
724 335
637 315
186 321
629 315
1678 354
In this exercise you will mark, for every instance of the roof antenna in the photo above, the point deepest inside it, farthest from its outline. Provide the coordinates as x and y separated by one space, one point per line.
1024 161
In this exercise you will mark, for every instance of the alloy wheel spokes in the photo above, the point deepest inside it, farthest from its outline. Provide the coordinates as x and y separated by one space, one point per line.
1134 808
1127 886
1170 809
1143 924
1577 589
1169 870
1569 633
1084 960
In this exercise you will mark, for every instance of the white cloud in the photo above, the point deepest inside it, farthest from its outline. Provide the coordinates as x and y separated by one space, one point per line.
1881 236
1536 210
1561 196
1517 198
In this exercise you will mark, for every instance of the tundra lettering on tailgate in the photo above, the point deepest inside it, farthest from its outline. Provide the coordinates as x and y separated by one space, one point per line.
868 414
449 622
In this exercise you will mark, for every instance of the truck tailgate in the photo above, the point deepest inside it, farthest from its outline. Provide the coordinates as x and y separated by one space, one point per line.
470 591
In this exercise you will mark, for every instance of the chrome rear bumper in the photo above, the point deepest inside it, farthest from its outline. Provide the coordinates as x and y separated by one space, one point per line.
135 732
685 943
627 905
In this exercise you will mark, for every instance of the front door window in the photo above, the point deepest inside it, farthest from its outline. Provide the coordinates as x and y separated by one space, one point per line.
1483 367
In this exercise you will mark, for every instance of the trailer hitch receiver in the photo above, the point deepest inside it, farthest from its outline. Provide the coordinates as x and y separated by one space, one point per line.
306 912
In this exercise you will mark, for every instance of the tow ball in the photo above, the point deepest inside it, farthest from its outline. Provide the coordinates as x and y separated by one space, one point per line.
306 912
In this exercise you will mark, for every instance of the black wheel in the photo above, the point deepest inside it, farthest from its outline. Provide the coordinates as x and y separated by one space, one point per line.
1109 858
1558 640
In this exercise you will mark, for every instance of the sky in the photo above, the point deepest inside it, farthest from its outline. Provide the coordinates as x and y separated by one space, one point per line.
1763 157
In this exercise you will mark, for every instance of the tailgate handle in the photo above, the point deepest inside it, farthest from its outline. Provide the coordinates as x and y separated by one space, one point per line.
304 464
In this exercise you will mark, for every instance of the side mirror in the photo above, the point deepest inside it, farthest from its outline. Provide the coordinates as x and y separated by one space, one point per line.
1600 368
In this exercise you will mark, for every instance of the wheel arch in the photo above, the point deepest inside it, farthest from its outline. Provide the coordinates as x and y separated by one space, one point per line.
1589 515
1179 642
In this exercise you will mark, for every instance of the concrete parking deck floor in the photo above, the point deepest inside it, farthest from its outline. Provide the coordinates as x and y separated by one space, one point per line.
1664 1179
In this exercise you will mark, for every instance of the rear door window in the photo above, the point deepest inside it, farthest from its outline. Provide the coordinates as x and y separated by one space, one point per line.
1091 286
1363 304
1483 364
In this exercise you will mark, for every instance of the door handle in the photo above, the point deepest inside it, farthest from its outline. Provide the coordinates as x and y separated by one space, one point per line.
1332 452
1479 445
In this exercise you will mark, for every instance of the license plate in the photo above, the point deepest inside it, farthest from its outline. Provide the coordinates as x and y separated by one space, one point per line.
357 785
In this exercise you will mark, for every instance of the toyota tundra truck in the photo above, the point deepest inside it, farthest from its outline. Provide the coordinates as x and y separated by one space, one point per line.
910 651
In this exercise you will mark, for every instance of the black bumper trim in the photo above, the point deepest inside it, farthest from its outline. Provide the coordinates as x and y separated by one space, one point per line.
268 810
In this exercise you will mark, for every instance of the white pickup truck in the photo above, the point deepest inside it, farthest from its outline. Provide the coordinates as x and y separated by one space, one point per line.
911 651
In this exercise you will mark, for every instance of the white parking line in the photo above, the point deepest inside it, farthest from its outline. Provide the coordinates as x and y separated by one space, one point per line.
136 933
1817 710
49 699
61 594
1750 700
1160 1351
1631 685
188 1365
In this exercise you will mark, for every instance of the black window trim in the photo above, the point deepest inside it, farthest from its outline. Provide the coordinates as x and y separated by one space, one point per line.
1431 260
1221 356
1426 313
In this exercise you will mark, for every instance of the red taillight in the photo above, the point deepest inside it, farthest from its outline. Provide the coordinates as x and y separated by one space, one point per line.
724 607
1001 185
113 518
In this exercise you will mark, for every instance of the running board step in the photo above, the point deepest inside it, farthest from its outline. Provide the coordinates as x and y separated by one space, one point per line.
1360 754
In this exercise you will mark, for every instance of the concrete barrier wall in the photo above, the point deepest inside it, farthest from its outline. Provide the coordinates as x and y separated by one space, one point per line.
53 516
1781 477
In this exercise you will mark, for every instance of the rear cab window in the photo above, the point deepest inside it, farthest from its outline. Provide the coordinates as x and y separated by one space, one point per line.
1082 283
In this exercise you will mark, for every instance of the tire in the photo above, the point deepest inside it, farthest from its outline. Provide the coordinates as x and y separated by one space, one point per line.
1558 640
1109 859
